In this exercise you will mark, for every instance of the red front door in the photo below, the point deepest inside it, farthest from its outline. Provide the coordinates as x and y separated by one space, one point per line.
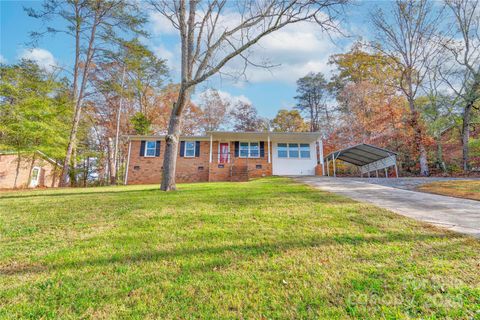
224 153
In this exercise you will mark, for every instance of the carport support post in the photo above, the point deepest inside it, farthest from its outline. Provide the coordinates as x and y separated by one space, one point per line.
376 173
334 168
386 173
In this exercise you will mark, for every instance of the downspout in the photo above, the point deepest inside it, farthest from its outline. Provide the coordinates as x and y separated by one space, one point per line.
211 147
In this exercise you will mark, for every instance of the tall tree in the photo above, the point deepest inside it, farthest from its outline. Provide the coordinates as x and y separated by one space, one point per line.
93 26
463 76
289 121
408 36
215 32
312 93
245 118
123 83
33 111
370 107
440 110
214 110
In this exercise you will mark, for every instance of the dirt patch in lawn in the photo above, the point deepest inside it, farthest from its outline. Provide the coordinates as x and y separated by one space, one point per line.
467 189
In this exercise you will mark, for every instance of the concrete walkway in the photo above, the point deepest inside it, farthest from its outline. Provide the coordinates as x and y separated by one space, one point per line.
455 214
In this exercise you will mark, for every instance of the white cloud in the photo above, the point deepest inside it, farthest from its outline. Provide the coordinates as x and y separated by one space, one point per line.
227 96
224 95
163 53
42 57
294 51
2 59
161 25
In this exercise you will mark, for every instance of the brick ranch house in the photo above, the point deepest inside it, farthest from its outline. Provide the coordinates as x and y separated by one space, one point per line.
226 156
29 170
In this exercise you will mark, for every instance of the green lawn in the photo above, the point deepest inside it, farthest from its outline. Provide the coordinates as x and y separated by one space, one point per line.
268 248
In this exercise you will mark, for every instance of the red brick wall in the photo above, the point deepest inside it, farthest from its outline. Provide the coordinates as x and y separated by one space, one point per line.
145 170
49 173
250 164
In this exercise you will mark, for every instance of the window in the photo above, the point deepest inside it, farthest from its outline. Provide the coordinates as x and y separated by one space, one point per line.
304 150
282 150
189 149
249 150
254 150
35 173
150 147
243 149
293 150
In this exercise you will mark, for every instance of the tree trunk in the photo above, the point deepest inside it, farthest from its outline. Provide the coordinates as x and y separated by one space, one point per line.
78 104
87 170
419 140
73 170
440 161
466 136
17 171
31 168
171 141
111 161
171 151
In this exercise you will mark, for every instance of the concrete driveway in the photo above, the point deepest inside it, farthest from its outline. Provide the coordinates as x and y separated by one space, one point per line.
455 214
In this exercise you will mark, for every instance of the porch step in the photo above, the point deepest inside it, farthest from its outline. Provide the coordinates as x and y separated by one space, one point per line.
239 173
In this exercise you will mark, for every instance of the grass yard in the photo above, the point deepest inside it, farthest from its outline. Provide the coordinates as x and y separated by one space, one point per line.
468 189
268 248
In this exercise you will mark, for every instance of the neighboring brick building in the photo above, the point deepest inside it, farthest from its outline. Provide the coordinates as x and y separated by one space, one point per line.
225 156
28 171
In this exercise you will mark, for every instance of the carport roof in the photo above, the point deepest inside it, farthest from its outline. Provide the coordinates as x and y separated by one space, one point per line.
361 154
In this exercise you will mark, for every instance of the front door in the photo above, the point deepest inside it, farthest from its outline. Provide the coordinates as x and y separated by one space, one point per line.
224 153
35 177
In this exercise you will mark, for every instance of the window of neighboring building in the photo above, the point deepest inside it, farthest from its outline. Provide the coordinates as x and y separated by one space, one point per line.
249 150
293 150
189 149
150 147
282 150
304 150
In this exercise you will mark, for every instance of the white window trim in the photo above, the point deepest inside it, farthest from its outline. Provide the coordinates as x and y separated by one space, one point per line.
299 151
194 149
309 151
37 181
248 155
146 148
278 150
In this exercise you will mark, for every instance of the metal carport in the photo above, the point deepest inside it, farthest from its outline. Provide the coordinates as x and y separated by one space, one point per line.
366 157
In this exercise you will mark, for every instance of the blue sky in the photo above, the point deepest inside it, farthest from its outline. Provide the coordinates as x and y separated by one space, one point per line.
297 50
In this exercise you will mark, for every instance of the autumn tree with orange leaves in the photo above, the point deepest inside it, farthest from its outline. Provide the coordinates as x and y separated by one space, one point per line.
371 109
